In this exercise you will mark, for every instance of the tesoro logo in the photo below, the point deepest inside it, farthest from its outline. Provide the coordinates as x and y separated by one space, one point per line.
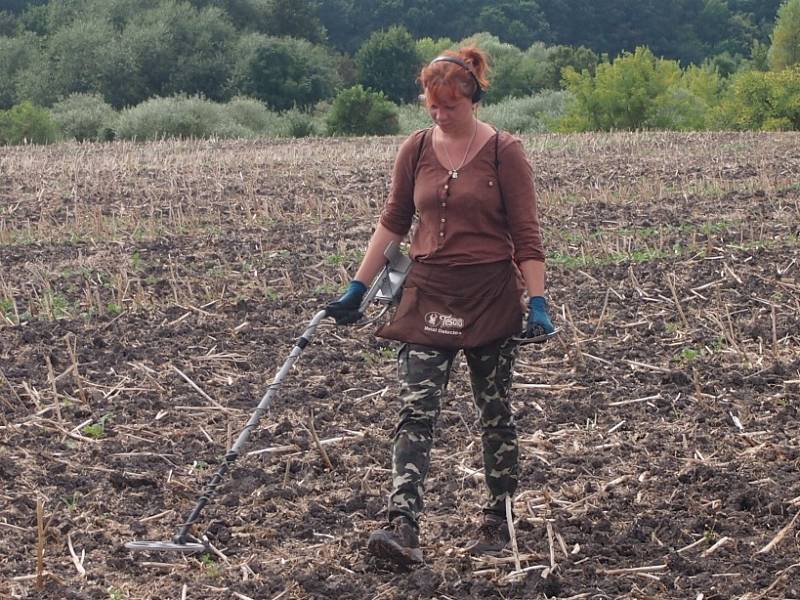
437 320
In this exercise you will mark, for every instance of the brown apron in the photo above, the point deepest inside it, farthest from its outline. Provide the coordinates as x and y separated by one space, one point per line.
458 307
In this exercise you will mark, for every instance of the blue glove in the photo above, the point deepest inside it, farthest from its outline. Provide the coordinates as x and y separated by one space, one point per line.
539 322
345 309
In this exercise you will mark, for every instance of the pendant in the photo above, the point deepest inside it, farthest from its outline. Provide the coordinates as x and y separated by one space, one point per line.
453 174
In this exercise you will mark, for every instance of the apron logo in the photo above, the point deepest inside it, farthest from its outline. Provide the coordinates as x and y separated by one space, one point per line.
445 324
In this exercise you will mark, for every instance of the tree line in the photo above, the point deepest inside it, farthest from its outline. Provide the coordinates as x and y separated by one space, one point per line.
687 30
591 65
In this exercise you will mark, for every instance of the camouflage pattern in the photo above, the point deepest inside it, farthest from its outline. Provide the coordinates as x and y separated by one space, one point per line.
424 373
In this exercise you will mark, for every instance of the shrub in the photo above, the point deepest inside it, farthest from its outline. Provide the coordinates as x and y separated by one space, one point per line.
677 109
412 117
84 117
27 123
299 123
178 117
532 114
357 111
255 116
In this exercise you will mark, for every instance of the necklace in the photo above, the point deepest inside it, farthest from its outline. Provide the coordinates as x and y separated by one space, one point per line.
452 171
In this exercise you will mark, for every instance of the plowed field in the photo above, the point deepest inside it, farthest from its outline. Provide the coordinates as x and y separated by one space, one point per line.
149 293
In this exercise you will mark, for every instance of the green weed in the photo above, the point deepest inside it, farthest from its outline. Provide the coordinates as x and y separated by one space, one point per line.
115 594
96 430
7 309
210 565
689 354
374 358
325 289
71 502
55 306
136 261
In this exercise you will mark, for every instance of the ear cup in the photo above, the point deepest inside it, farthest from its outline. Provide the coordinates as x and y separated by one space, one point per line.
478 93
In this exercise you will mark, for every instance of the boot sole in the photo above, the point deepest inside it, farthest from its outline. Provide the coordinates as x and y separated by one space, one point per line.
383 546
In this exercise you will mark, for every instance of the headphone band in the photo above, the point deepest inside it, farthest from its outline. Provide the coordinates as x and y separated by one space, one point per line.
457 61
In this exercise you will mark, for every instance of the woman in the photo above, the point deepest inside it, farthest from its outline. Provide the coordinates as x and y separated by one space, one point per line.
477 251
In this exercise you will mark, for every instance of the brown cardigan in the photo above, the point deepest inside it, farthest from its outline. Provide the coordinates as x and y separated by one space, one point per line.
465 221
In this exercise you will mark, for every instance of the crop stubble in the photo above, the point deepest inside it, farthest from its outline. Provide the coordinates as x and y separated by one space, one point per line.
659 433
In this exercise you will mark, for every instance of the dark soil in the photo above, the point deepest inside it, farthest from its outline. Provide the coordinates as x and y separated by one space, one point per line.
660 439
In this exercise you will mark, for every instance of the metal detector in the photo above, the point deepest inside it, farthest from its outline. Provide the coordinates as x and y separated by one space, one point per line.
538 337
388 285
180 542
386 290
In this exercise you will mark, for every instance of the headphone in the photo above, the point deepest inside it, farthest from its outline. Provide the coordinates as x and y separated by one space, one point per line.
478 93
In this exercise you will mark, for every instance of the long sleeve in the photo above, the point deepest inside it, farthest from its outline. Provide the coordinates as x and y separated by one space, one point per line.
519 197
398 211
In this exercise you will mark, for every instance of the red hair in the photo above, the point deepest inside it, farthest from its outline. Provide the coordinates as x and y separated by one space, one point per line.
444 80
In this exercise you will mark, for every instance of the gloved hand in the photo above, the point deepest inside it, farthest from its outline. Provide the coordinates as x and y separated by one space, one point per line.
539 322
345 309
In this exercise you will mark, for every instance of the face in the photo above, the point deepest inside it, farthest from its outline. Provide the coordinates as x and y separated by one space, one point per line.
451 111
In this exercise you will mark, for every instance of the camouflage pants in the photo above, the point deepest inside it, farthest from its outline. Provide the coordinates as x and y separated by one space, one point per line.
424 373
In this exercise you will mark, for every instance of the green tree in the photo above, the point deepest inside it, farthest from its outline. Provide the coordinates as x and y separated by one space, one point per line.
429 48
283 72
388 62
629 93
512 73
8 23
518 22
296 18
759 57
16 55
175 48
516 73
49 17
687 105
761 100
356 111
724 63
785 50
18 6
84 56
560 57
79 60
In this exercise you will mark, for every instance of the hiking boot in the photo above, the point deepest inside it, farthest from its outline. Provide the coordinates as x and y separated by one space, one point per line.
493 535
397 542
